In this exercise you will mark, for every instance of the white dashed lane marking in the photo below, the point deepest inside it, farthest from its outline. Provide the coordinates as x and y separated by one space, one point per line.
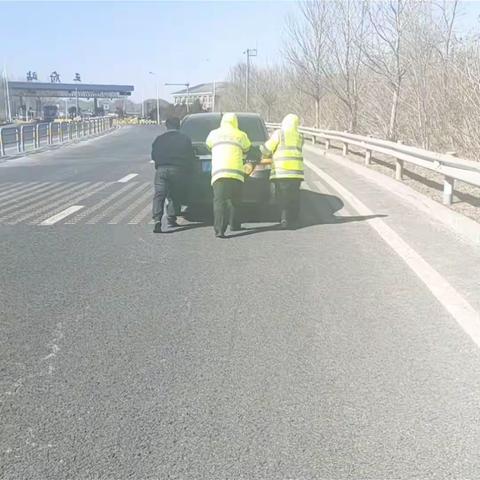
63 214
127 178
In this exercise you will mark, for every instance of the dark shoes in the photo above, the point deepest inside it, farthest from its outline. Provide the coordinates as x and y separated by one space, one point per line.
157 228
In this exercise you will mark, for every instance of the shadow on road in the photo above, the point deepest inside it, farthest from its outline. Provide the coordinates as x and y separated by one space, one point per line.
315 209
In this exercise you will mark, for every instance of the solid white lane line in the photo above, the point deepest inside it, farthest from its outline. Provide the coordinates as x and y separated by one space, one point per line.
464 314
126 178
60 216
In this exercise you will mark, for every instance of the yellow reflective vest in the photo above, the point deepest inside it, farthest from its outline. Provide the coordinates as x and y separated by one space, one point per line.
285 149
228 145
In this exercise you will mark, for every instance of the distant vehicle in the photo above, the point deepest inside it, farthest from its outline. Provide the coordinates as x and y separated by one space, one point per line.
50 113
257 188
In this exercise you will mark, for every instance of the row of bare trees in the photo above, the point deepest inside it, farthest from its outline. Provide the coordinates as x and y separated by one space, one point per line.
400 69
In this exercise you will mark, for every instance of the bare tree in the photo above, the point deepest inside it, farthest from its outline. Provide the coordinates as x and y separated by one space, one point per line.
343 59
270 90
384 50
306 48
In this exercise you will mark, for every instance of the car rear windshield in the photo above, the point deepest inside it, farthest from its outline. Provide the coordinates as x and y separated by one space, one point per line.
198 128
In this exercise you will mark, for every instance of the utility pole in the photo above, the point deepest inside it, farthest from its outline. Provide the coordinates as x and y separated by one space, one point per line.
8 106
250 52
77 104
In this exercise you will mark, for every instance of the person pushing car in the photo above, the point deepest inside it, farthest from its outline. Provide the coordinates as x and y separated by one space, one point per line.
229 146
174 158
284 152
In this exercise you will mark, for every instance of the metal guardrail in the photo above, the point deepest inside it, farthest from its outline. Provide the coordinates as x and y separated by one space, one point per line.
446 164
31 136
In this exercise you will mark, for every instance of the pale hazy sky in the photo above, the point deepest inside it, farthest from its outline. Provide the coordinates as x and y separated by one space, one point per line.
120 42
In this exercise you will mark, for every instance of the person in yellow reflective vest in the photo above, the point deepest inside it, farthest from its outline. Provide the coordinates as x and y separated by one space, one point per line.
284 151
229 146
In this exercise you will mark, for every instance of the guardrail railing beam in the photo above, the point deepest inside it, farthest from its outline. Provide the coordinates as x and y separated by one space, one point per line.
18 137
446 164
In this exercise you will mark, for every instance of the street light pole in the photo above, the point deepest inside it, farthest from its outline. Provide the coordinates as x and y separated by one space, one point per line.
158 106
158 98
8 105
214 94
251 52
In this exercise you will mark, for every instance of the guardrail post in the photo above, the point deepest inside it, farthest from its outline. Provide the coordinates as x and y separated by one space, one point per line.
17 139
345 149
2 143
49 133
22 137
448 185
314 139
327 144
37 135
60 132
368 157
399 167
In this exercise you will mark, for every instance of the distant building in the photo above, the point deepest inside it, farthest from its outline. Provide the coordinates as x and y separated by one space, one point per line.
204 93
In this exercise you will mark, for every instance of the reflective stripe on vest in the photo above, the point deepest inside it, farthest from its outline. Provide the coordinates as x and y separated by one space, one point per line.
228 173
280 173
288 160
227 142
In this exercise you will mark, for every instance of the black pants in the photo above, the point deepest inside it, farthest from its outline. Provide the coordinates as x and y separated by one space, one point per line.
287 191
171 183
227 197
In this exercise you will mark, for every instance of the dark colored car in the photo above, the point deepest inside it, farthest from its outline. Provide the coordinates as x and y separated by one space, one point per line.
257 189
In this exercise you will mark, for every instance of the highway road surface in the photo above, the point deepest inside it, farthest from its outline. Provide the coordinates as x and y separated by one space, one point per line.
310 354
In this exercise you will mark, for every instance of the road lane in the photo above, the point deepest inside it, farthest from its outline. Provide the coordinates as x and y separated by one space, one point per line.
310 354
106 158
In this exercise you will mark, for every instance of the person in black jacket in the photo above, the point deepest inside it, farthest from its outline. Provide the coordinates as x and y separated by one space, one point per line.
173 155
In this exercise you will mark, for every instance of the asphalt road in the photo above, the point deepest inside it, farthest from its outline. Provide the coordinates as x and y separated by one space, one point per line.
307 354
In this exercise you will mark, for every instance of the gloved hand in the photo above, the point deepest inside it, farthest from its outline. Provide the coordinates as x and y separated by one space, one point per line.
248 168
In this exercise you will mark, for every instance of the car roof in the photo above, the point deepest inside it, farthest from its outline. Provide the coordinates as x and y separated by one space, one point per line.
219 114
